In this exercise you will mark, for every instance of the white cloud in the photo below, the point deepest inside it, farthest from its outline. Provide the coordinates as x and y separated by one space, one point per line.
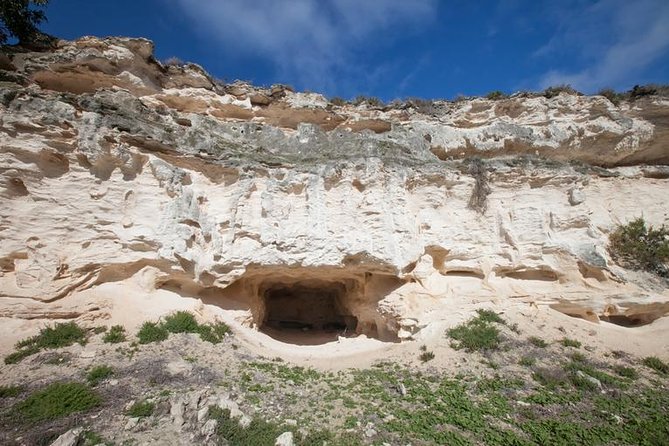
616 39
316 42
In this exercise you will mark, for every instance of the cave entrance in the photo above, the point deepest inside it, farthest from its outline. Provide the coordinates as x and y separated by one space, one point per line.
302 307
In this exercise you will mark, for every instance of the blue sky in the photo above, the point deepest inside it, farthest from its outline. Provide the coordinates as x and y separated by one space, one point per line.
395 48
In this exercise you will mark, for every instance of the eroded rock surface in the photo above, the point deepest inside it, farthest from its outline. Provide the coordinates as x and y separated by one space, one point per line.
117 169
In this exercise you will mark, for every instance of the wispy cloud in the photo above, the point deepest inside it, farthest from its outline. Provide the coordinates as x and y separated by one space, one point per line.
316 42
616 40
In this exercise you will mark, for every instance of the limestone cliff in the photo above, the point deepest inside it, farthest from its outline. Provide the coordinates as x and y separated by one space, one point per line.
121 178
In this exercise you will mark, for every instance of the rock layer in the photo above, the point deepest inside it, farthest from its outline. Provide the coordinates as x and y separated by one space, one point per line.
114 167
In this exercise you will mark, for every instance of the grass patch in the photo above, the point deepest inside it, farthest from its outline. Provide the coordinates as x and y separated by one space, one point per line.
537 342
151 332
115 335
10 391
477 334
57 336
573 343
655 363
527 361
98 374
626 372
140 409
57 400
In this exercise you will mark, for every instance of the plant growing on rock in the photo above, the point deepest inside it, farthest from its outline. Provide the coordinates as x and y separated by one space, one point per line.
478 201
640 247
57 400
115 335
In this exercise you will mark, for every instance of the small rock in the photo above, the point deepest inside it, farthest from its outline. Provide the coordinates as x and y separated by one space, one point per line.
177 412
113 382
225 403
589 378
290 422
402 389
260 99
209 428
132 423
523 403
576 196
179 367
69 438
285 439
87 354
202 414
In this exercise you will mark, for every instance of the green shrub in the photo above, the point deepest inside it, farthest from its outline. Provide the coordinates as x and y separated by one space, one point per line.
140 409
60 335
259 432
339 102
570 343
495 95
555 90
477 334
181 322
98 374
637 246
115 335
9 391
370 100
57 400
426 356
537 342
151 332
527 361
611 95
214 333
490 316
656 364
626 372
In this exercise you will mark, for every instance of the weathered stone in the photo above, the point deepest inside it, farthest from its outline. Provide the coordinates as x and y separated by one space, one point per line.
69 438
285 439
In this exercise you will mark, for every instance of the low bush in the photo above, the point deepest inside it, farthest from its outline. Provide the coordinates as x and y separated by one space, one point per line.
626 372
57 400
151 332
426 356
478 333
612 95
570 343
640 247
115 335
181 322
214 333
60 335
496 95
655 363
140 409
537 342
10 391
98 374
556 90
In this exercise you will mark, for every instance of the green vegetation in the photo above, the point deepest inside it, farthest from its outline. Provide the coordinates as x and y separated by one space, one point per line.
555 90
656 364
10 391
537 342
261 432
570 343
369 100
527 361
151 332
20 18
98 374
626 372
337 101
426 356
479 333
641 247
496 95
141 409
115 335
57 400
60 335
611 95
182 322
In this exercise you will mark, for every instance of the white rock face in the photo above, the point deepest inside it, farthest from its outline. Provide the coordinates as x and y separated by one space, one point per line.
171 183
